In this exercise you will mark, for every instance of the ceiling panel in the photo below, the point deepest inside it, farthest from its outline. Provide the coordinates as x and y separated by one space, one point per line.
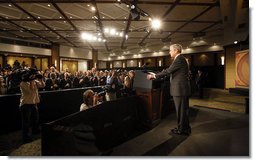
114 11
155 11
24 34
171 26
7 25
213 14
41 10
185 12
137 34
136 25
195 27
118 25
33 25
11 12
76 10
85 25
58 25
46 33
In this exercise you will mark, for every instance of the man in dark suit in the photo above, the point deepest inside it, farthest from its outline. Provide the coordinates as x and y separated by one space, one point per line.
179 88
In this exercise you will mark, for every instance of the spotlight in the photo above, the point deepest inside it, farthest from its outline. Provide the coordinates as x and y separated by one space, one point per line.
112 31
235 42
156 24
93 8
106 30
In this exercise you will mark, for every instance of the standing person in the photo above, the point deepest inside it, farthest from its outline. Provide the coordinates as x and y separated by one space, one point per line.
200 81
179 88
28 104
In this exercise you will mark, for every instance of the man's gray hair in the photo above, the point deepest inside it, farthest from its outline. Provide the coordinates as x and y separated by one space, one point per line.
178 47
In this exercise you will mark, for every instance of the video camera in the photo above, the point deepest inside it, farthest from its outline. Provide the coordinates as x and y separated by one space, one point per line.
30 74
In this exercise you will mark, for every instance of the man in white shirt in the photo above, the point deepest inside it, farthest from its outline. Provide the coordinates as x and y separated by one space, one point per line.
28 104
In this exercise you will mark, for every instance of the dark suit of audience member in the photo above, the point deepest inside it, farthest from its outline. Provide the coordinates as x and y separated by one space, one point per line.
94 81
200 81
52 83
179 88
75 82
66 82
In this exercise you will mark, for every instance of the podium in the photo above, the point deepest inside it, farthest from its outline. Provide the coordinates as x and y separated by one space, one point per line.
150 93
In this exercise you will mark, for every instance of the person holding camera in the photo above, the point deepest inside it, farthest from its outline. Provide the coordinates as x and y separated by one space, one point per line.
28 103
91 99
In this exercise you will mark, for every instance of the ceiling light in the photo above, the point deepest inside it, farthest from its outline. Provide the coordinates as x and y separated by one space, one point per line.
99 34
104 40
112 31
133 6
9 5
127 6
150 19
39 17
99 39
93 8
121 34
48 5
156 24
94 38
235 42
86 36
70 17
60 17
126 37
106 30
103 17
27 17
88 5
118 0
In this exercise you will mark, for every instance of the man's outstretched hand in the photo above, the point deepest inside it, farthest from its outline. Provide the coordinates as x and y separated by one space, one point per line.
150 76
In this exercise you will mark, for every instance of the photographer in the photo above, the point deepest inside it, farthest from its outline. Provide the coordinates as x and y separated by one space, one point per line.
31 81
91 99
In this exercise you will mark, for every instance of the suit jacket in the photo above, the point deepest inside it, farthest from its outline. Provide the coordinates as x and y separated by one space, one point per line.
179 82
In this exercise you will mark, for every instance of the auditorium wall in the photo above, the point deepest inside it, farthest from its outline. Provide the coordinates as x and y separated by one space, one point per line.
102 65
24 49
27 60
82 65
72 52
132 63
41 63
117 64
204 59
71 65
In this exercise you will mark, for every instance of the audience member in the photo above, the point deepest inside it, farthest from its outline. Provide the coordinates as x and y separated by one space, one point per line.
90 99
52 83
